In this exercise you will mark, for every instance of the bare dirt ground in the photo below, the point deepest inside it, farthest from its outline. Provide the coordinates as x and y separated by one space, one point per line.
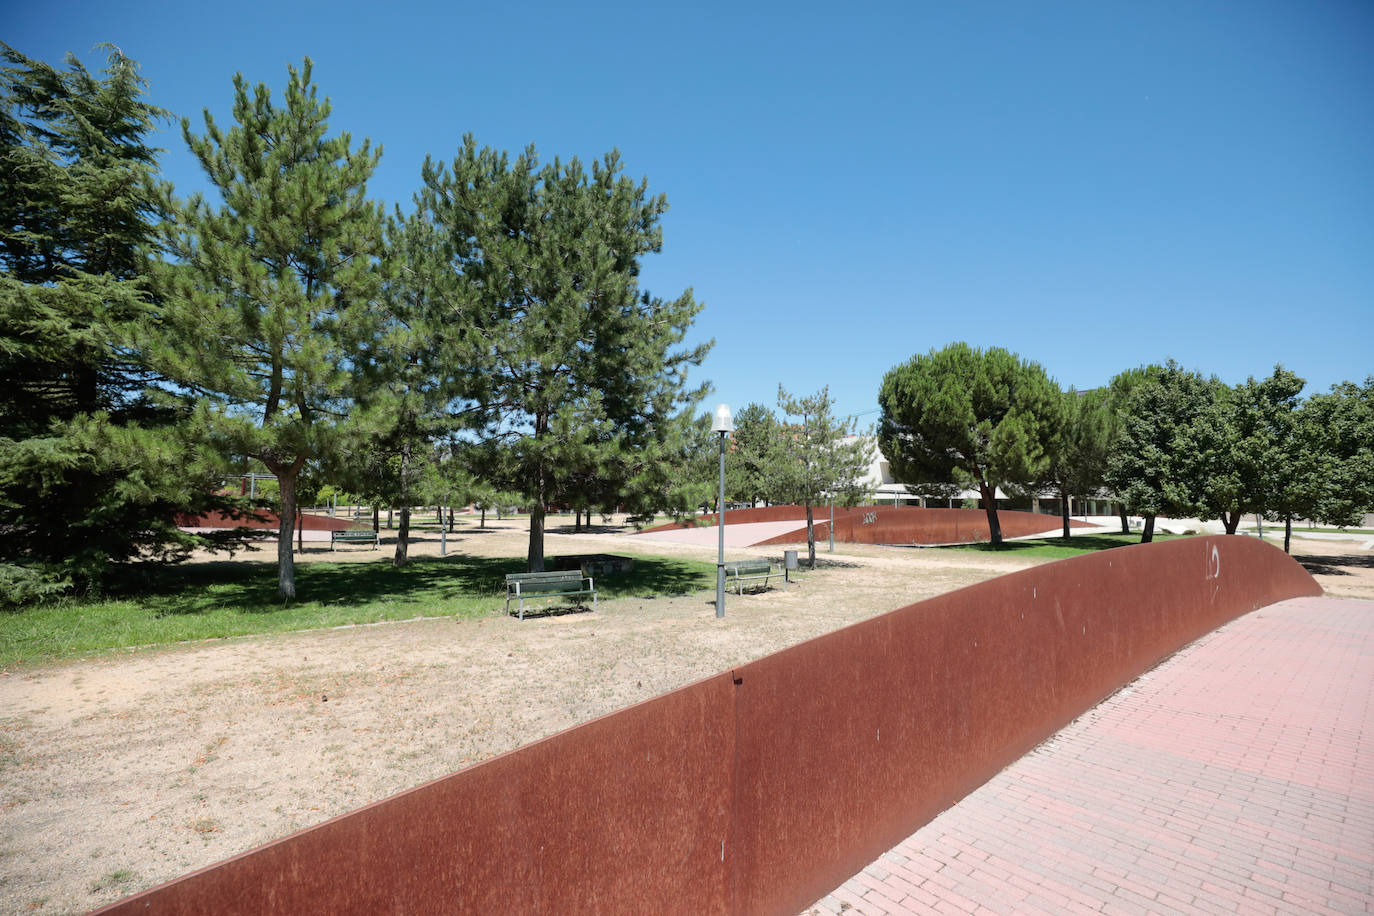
125 770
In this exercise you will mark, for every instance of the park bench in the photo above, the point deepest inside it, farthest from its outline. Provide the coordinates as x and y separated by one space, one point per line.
751 570
354 536
562 583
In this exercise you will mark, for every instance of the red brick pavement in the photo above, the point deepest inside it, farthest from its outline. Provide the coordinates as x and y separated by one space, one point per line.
1236 777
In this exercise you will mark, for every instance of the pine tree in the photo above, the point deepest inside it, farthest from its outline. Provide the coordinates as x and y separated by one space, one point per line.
92 472
267 295
818 458
976 418
571 367
1078 449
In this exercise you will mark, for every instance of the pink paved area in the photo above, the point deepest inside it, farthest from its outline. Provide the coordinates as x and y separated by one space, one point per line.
1236 777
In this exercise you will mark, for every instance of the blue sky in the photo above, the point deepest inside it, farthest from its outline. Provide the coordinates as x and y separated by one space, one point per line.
1094 185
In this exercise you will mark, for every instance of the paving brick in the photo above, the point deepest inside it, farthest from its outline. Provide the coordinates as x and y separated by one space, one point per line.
1235 776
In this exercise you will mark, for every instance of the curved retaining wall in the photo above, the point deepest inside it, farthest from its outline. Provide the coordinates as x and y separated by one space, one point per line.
759 789
892 524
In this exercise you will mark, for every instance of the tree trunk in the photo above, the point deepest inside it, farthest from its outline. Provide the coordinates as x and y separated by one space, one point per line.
1147 534
286 562
1064 512
402 539
300 529
390 516
376 519
1287 531
1125 522
402 547
536 553
484 518
1231 521
810 538
577 521
450 519
990 507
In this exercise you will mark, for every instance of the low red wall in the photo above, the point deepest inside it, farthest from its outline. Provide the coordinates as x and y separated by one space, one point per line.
758 790
893 524
265 519
913 525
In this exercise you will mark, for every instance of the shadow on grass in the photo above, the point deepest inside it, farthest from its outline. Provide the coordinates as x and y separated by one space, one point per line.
251 588
1335 566
1079 543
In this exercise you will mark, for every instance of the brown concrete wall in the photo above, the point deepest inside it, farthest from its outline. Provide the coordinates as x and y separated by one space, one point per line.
758 790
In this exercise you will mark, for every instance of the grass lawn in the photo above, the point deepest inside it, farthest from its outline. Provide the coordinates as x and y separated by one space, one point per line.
212 600
1059 548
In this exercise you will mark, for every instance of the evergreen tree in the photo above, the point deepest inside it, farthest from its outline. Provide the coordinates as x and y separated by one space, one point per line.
1257 425
1118 397
820 458
1334 483
1078 450
1171 451
401 409
266 298
572 367
976 418
92 472
752 462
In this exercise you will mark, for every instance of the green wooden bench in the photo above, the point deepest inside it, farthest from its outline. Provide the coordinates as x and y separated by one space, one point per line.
751 571
354 536
563 583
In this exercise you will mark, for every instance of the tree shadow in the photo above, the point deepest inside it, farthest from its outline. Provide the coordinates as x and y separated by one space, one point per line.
251 588
1077 542
1335 566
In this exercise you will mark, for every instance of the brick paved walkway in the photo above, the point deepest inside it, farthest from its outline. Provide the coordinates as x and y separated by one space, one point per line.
1237 777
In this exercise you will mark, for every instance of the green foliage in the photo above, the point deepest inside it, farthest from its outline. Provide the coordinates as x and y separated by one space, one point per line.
753 456
570 368
819 458
1172 446
1078 450
978 418
1259 424
266 296
92 473
1333 455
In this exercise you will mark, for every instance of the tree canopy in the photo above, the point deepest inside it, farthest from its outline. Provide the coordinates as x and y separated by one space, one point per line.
570 366
266 296
92 472
819 458
979 418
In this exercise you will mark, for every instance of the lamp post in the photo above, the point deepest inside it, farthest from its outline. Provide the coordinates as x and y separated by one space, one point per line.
724 425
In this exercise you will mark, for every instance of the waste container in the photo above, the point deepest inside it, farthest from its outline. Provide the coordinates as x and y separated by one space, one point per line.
789 559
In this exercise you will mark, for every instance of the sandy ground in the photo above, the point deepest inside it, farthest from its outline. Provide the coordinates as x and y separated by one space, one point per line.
125 770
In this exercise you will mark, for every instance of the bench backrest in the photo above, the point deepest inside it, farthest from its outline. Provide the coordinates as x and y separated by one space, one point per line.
748 568
544 581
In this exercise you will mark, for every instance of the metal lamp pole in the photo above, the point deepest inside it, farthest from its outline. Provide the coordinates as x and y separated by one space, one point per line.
723 425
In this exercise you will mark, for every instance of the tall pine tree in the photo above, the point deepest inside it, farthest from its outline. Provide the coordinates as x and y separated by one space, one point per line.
572 368
267 293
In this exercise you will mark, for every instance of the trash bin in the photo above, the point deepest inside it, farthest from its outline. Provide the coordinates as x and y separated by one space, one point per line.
789 559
